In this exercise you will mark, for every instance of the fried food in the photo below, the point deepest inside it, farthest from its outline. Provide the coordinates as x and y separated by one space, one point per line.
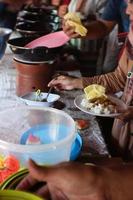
97 101
72 19
94 91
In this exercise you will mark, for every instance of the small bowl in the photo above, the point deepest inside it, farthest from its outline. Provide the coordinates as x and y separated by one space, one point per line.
30 99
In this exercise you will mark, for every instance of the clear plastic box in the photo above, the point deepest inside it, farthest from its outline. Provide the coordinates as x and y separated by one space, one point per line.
56 129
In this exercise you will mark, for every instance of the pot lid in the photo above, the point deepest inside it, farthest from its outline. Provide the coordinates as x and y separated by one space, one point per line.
33 62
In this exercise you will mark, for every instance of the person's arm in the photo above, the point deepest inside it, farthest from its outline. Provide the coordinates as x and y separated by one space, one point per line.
66 83
113 81
96 29
103 26
99 29
126 115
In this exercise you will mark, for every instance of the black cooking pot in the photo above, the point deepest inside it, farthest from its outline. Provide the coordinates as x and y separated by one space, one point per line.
32 8
34 55
29 16
36 28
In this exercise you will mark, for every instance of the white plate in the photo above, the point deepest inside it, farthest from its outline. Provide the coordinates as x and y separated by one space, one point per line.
118 102
29 99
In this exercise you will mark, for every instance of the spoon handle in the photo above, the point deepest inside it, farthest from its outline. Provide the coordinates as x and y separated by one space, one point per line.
49 92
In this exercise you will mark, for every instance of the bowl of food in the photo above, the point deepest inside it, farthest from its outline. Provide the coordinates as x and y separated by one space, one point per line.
40 99
96 102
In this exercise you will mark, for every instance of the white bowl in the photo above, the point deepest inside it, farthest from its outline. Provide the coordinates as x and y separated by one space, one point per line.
30 99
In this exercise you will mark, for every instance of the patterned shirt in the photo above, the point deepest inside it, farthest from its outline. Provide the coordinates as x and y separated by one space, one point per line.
114 82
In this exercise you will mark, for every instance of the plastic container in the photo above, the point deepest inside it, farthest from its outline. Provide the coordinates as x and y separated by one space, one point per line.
58 129
15 195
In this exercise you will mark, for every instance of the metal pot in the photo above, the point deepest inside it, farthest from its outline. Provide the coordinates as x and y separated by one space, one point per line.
24 15
28 29
32 55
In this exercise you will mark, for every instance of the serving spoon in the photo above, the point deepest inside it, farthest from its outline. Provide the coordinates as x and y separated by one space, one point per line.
46 98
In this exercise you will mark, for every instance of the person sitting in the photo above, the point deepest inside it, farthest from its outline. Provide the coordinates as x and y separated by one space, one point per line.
119 80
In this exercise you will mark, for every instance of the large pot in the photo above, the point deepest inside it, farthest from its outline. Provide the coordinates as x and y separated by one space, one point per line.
32 55
34 28
31 77
37 20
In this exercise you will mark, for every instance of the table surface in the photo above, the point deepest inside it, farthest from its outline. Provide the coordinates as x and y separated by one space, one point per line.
93 142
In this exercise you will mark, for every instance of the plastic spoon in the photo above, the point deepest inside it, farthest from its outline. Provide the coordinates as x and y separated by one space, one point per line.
46 98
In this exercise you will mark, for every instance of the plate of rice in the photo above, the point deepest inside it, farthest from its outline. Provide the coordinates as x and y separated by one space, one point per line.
109 106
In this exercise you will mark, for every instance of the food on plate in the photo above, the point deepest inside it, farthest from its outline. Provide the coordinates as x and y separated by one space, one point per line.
73 19
81 123
97 101
94 91
32 139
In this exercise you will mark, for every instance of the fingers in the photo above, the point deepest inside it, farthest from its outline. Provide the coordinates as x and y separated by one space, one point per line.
56 82
43 192
45 174
69 30
32 178
36 171
126 115
57 194
40 173
51 193
27 183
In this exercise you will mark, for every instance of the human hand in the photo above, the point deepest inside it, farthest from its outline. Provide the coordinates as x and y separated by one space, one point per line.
69 30
65 181
126 115
66 83
71 181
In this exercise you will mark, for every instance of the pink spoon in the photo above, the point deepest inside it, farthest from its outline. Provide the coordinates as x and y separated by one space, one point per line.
51 40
